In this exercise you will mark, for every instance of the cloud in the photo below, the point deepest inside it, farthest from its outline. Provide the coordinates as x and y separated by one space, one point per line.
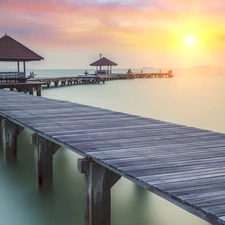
110 24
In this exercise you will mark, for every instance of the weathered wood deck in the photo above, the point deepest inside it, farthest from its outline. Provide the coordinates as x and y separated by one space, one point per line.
182 164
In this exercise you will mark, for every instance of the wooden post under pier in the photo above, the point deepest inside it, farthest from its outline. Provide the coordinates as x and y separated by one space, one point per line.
9 133
24 87
48 83
31 90
56 83
43 156
38 90
97 189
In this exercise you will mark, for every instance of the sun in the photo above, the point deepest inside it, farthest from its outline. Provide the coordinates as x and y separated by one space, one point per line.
190 40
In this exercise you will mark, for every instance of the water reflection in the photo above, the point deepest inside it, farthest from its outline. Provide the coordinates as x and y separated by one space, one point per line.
135 205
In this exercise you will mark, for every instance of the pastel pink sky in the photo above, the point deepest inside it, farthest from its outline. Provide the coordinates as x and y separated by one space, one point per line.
132 33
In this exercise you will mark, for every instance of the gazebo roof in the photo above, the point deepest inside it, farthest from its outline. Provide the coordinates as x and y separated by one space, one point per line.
103 62
12 50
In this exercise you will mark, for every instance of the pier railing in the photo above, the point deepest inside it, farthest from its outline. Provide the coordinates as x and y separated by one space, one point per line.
9 77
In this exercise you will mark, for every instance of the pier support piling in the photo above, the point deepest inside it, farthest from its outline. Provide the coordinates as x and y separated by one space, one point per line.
9 133
56 83
43 159
38 90
31 91
97 189
48 83
1 132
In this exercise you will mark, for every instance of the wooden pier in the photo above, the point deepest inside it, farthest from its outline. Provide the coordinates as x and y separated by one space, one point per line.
183 165
120 76
93 79
153 75
72 80
22 84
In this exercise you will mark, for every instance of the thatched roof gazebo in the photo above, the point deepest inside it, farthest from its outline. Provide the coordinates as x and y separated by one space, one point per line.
103 62
13 51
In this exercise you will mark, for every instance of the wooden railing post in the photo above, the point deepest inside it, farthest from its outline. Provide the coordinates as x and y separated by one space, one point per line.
43 156
9 133
98 183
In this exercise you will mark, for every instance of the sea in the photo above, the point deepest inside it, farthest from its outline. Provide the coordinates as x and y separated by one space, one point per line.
194 97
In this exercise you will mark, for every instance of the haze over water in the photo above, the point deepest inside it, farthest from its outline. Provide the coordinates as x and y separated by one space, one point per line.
194 97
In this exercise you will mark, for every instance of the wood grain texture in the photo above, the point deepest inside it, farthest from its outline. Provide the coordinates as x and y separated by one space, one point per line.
184 165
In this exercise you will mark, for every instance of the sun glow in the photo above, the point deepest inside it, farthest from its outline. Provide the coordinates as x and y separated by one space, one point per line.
190 40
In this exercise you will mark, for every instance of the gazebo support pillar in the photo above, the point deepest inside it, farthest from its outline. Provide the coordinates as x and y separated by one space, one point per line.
18 66
98 183
43 158
24 68
9 133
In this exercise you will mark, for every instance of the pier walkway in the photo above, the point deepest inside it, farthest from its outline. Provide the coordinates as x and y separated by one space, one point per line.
182 164
92 79
63 81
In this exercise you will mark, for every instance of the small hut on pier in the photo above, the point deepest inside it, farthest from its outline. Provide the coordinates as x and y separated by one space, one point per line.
13 51
103 62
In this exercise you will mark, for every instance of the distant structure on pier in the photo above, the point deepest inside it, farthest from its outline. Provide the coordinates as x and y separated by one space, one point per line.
103 62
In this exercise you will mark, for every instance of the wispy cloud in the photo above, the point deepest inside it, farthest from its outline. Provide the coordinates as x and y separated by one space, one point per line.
156 25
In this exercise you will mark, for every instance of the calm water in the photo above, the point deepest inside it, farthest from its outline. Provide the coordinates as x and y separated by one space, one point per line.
193 97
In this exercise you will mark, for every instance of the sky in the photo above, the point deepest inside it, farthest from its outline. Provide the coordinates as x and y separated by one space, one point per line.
133 33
